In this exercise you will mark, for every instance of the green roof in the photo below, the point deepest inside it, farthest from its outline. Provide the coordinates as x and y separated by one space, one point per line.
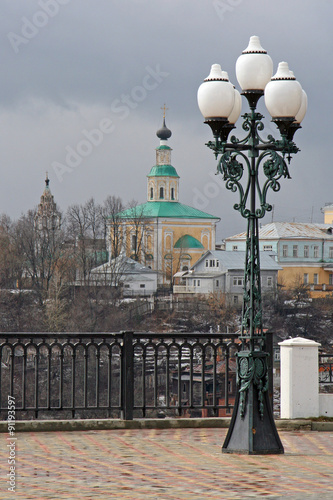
170 209
163 171
188 241
163 147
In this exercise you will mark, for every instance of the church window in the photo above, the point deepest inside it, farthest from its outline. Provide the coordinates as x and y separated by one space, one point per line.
172 193
161 193
133 242
151 193
168 242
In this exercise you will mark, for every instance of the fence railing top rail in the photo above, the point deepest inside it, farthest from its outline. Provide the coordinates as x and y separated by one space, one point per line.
117 335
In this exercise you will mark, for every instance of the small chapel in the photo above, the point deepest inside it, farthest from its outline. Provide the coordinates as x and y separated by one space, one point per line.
164 234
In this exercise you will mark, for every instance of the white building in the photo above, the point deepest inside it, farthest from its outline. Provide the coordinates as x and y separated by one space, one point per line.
127 274
223 271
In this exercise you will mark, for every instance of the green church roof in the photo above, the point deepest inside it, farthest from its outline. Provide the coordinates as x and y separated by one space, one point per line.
188 241
163 171
168 209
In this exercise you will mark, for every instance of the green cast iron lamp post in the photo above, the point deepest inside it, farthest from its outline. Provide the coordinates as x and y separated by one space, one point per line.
243 163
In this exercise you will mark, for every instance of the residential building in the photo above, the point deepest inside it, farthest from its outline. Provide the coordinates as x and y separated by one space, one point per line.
221 271
127 275
164 234
304 251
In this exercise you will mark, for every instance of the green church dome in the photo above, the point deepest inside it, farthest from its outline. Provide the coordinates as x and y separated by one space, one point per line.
188 241
163 171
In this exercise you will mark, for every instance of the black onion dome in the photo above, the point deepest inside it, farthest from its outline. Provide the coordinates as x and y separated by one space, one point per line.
164 133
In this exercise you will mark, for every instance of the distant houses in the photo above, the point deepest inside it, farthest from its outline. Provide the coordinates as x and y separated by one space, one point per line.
304 252
222 272
127 275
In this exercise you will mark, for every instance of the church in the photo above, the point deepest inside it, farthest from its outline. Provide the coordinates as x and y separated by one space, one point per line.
162 233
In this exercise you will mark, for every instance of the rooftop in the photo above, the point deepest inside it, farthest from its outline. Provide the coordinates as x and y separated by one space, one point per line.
235 260
168 209
291 230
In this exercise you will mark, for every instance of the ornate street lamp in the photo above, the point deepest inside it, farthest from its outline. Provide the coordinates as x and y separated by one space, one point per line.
252 429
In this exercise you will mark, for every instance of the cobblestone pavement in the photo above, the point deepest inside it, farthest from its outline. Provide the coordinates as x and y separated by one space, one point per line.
177 464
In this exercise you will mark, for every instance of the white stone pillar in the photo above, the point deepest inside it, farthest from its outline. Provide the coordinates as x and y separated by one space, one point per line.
299 378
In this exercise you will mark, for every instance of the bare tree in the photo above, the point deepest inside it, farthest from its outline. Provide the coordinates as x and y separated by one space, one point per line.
137 225
10 261
39 249
112 225
85 237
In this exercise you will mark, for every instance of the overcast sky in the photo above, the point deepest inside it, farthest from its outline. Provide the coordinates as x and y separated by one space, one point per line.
72 67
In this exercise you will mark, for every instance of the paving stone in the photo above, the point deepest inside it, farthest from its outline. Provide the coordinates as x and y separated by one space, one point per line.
169 464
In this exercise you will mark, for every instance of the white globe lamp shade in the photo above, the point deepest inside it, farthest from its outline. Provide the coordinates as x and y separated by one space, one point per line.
236 110
283 94
216 94
254 68
302 110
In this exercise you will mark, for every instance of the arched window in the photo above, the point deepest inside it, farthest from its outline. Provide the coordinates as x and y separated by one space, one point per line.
151 193
161 193
172 193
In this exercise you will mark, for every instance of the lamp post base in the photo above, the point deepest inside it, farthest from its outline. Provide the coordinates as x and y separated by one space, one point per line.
253 434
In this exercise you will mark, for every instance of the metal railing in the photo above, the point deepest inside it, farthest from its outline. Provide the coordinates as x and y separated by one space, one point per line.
325 369
112 375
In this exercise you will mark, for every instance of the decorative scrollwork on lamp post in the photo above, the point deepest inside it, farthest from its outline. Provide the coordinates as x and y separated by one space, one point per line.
241 161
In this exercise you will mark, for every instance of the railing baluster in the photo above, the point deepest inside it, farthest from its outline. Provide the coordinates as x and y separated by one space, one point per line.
167 375
36 381
155 376
214 382
203 388
61 381
85 378
143 382
127 376
73 382
226 378
191 402
179 380
98 355
49 357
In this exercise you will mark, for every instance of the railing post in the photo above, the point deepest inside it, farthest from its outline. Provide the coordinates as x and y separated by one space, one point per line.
127 377
299 378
